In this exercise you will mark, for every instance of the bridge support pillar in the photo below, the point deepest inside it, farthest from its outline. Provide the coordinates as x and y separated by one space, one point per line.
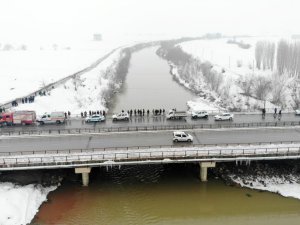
85 172
203 169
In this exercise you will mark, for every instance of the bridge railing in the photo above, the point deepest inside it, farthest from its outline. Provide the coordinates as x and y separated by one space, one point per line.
39 131
163 155
144 147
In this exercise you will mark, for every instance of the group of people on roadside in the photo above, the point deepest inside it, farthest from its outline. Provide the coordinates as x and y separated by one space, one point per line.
143 112
29 99
90 113
274 114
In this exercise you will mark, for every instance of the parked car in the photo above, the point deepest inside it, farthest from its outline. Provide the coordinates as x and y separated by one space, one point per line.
179 136
173 115
120 116
224 116
297 112
95 118
52 118
199 114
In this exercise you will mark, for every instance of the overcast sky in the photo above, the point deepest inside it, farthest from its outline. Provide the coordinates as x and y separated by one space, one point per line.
22 20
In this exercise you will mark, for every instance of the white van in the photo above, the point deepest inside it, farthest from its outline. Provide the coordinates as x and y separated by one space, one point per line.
53 117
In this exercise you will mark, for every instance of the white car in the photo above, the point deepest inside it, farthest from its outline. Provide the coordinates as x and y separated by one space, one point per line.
199 114
95 118
297 112
120 116
182 136
224 116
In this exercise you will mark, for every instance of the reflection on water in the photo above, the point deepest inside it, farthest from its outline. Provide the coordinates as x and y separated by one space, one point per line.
149 85
163 194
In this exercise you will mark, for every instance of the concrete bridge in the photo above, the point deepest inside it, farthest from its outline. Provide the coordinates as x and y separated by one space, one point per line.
85 151
83 160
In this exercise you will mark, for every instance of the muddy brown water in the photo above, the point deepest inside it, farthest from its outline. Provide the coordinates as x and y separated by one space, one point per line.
166 195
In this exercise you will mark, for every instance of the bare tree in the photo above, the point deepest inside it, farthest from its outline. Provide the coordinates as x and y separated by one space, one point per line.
246 84
279 87
261 87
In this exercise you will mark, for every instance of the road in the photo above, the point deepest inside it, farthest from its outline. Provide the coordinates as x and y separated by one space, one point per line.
153 121
129 139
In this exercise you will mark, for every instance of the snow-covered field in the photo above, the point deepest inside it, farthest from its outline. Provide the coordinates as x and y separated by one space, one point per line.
19 204
234 63
25 71
76 95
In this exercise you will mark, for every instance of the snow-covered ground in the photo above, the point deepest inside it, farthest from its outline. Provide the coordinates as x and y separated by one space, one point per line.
77 95
25 71
276 184
234 63
19 204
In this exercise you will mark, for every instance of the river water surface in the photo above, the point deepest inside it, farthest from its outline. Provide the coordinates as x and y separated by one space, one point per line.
157 194
149 85
168 195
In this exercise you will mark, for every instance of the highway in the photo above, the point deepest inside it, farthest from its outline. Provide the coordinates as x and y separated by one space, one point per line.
150 138
152 121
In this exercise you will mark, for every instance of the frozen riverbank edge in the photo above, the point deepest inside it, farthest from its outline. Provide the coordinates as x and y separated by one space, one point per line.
281 177
19 204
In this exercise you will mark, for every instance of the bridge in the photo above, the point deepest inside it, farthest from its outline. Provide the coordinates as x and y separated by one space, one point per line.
87 150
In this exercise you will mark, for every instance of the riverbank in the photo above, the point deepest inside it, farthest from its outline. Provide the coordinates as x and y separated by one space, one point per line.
281 177
23 192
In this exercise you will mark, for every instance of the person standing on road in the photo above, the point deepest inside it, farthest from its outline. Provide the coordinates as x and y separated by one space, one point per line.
263 113
275 113
279 115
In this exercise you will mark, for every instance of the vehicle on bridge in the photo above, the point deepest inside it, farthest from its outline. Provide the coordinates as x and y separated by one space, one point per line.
95 118
18 118
180 136
173 115
297 112
199 114
224 116
52 118
121 116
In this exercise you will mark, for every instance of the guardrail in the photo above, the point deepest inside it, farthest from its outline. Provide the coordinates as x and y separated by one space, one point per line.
147 128
138 156
176 146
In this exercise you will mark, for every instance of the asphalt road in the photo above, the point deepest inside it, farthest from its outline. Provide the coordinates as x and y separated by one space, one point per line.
129 139
152 121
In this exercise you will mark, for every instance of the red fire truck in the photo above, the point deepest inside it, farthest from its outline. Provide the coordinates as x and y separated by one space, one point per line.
17 118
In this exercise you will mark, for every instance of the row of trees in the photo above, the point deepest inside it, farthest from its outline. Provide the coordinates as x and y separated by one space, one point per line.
264 55
264 88
287 57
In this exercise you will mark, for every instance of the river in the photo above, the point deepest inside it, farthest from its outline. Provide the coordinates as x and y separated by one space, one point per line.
163 194
160 194
149 85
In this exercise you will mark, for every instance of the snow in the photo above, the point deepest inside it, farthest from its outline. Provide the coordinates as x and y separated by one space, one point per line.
234 63
77 95
19 204
24 72
272 184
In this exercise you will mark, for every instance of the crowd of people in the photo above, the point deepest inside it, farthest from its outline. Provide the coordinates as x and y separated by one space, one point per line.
29 99
131 112
90 113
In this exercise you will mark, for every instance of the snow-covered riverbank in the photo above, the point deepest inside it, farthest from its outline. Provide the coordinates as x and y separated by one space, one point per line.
281 177
19 204
276 184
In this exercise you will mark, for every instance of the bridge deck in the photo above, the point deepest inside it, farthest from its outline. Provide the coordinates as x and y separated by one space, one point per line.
146 155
